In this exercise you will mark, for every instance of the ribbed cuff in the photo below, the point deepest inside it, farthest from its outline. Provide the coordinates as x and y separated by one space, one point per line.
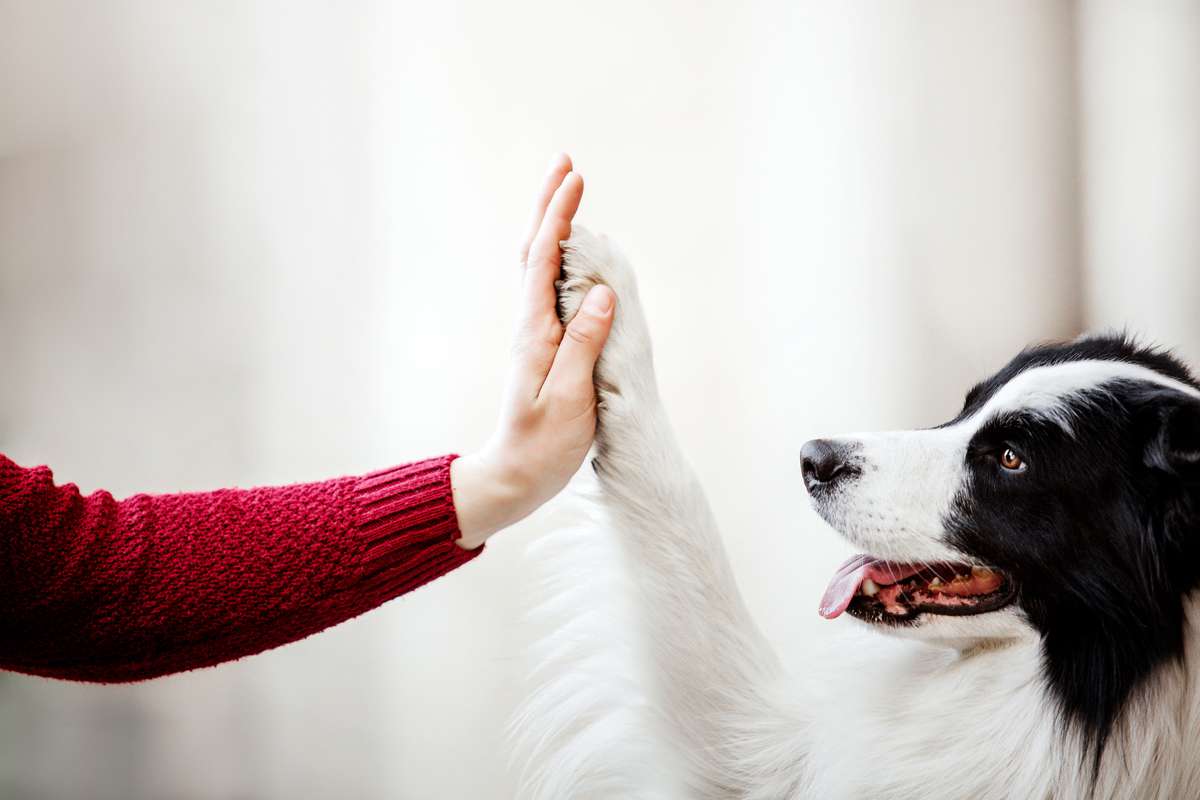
407 521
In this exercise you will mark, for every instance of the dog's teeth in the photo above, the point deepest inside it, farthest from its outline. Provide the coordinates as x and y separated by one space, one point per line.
981 572
869 588
936 582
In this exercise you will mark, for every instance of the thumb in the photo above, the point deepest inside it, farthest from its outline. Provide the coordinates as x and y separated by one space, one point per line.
571 373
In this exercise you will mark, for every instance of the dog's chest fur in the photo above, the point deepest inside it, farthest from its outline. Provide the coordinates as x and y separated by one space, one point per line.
896 719
903 719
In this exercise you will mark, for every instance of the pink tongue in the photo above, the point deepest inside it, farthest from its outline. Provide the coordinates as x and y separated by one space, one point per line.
849 577
841 589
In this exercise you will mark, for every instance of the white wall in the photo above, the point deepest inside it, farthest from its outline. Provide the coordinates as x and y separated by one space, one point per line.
258 243
1140 105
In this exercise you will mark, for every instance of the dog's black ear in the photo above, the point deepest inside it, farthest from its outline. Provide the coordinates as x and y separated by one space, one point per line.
1174 433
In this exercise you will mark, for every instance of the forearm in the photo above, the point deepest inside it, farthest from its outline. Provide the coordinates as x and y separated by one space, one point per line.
99 589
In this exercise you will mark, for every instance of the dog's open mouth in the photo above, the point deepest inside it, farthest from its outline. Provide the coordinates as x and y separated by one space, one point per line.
894 592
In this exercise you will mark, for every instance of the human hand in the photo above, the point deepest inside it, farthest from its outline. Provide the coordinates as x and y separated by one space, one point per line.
548 418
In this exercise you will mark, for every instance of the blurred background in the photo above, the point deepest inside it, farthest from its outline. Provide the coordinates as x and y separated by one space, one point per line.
251 243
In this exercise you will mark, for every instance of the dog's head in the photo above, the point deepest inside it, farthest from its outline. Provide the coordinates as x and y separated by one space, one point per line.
1062 502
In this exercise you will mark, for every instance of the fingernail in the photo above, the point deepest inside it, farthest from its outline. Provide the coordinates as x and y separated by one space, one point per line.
598 301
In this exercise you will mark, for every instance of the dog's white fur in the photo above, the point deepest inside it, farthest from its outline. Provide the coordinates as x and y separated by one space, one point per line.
657 683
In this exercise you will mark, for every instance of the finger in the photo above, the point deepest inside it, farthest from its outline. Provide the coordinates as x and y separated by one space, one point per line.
560 165
570 376
545 255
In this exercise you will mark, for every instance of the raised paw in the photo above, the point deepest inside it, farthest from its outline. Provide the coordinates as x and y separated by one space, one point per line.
625 369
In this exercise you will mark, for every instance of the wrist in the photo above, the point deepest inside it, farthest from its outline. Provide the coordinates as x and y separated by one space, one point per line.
487 498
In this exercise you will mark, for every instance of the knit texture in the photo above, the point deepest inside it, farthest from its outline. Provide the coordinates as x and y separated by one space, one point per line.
96 589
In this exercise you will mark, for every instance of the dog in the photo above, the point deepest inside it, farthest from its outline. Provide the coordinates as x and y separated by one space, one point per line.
1021 622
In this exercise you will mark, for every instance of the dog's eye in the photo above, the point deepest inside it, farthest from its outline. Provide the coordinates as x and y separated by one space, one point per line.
1011 461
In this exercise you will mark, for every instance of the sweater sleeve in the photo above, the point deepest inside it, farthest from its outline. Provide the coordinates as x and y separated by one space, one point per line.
96 589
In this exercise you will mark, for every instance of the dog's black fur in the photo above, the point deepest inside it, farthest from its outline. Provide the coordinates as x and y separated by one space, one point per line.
1101 533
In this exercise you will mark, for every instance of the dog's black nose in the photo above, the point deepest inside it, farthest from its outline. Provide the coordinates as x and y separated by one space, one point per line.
822 463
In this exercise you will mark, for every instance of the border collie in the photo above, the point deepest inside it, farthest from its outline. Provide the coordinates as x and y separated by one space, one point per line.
1021 623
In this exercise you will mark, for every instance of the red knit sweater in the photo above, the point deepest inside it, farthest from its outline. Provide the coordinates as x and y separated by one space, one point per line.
96 589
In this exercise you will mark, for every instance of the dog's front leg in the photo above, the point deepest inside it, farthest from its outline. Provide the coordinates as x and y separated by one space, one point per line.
709 654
